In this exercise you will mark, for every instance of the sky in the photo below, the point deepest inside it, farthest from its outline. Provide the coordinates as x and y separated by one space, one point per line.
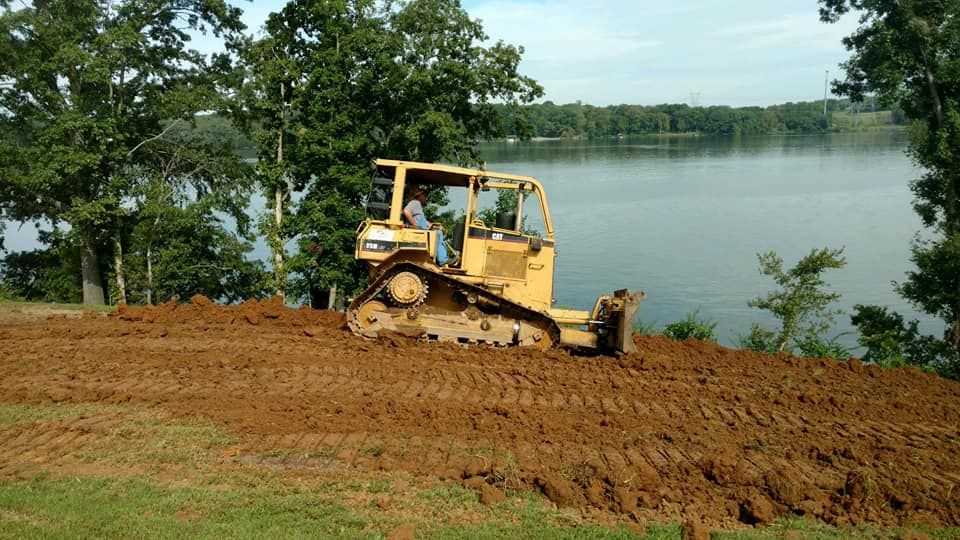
706 52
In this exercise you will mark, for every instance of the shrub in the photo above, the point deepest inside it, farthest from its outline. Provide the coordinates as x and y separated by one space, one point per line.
817 348
892 342
801 301
691 326
759 339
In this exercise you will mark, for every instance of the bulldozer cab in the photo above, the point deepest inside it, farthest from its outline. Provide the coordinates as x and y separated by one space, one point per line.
500 234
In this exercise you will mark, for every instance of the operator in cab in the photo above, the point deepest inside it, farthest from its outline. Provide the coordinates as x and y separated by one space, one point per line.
413 214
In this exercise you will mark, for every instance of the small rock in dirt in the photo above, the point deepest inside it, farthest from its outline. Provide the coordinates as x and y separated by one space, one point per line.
648 500
595 494
451 474
647 477
311 331
557 489
403 532
475 482
491 495
57 395
252 317
476 467
694 529
200 300
757 509
726 470
627 499
810 508
859 485
855 365
384 502
784 486
913 535
638 525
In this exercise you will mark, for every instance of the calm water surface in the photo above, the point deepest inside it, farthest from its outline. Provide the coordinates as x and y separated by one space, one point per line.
683 219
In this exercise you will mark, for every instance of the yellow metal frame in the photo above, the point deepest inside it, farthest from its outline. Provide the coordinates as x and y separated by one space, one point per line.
516 266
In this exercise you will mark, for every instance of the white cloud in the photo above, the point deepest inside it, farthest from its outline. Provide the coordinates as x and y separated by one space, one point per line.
565 31
796 29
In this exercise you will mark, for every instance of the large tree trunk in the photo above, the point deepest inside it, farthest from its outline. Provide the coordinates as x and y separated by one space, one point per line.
90 270
278 269
332 302
118 268
279 193
150 273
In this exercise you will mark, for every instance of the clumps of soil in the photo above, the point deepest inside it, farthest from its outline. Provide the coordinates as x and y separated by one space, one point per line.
202 310
687 432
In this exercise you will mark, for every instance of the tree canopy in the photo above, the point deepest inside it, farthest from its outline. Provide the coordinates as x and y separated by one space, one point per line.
907 52
91 94
363 79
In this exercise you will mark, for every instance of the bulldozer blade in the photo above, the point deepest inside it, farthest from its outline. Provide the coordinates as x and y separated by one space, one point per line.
630 304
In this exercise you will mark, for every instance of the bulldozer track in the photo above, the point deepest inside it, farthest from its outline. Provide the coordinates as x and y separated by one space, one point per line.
712 425
507 308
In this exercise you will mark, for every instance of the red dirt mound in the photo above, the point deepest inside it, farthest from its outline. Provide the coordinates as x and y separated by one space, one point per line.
201 310
687 431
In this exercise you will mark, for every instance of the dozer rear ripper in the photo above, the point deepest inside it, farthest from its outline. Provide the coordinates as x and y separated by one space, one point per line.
497 289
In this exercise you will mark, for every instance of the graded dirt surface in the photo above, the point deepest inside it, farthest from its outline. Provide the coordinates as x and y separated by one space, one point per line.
679 431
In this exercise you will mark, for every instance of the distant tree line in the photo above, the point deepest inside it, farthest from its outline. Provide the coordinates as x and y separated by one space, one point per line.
581 120
577 120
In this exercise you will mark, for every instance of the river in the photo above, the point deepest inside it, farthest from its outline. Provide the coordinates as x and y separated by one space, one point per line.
683 219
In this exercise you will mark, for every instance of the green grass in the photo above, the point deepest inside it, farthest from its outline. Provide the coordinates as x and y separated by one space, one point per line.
141 508
116 508
53 305
179 488
143 436
20 414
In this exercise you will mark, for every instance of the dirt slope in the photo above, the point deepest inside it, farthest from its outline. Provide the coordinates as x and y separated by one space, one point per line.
679 430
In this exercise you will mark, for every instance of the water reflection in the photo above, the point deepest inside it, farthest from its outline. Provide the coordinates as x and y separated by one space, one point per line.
683 218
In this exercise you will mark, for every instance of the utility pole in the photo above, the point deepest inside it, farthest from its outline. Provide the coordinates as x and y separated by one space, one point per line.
826 77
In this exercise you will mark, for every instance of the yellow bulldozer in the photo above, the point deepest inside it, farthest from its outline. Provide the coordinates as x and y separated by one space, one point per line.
497 286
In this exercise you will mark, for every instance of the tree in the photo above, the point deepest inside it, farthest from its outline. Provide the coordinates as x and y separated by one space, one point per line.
800 303
907 52
85 87
47 274
188 179
189 251
892 342
407 81
270 78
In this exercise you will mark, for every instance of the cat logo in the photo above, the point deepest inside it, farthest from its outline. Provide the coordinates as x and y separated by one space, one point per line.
496 236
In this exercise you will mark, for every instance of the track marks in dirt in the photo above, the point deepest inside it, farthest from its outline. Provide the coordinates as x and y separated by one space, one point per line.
24 447
716 427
